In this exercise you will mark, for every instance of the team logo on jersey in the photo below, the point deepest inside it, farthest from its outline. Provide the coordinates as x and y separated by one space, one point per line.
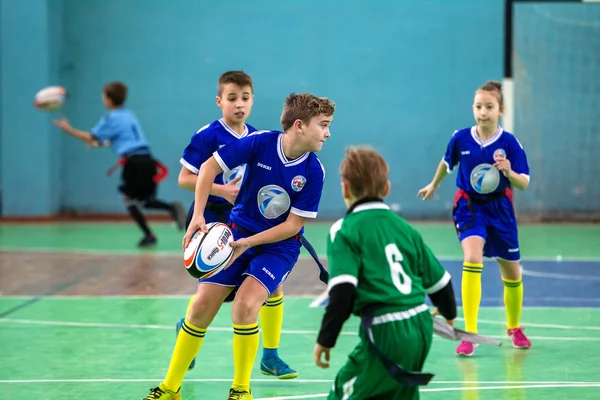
273 201
235 173
298 183
499 154
485 178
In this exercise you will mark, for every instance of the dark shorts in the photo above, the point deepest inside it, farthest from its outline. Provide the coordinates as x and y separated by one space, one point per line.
138 177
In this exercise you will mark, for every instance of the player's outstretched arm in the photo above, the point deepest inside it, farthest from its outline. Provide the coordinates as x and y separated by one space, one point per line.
285 230
445 302
427 192
76 133
187 180
520 181
341 302
206 177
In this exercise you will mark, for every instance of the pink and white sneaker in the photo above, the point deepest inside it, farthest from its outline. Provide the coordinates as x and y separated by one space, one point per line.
519 339
466 349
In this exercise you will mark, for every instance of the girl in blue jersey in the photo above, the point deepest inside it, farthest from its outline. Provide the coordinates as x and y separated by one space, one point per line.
122 132
490 163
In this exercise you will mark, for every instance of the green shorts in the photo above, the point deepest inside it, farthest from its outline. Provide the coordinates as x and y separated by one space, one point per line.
406 341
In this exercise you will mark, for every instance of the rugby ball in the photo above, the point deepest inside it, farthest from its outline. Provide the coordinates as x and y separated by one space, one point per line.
50 98
208 253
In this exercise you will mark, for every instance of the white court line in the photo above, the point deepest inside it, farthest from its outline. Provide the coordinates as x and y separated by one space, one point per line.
534 325
302 396
311 296
271 380
152 297
457 389
110 380
96 252
147 326
538 274
229 329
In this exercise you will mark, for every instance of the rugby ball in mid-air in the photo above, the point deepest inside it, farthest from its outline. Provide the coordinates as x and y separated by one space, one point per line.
208 253
50 98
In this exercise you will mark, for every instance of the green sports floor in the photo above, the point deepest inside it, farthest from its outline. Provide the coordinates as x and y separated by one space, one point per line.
115 342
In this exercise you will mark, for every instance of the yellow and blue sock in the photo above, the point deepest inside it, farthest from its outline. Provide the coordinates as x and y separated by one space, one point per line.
271 319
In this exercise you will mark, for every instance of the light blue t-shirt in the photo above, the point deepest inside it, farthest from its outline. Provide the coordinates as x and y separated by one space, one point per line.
123 130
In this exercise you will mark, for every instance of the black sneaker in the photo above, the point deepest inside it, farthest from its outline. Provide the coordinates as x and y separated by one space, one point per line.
147 241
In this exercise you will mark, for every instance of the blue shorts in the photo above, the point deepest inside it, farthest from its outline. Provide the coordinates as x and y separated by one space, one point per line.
270 264
495 222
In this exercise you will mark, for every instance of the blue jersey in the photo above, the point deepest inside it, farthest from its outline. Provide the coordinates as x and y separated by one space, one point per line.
204 143
273 185
121 127
475 159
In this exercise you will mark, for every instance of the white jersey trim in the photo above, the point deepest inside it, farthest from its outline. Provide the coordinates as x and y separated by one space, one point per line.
336 280
448 170
400 315
232 132
440 285
220 161
322 168
284 159
488 142
188 166
335 228
375 205
302 213
201 129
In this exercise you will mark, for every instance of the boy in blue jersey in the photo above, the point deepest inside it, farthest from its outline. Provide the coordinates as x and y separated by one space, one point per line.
120 129
235 99
282 188
483 212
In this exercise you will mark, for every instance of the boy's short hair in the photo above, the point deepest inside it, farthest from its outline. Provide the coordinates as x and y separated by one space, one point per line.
116 92
304 106
240 78
365 171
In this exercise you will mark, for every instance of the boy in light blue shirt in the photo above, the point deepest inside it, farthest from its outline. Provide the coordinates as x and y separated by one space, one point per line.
121 131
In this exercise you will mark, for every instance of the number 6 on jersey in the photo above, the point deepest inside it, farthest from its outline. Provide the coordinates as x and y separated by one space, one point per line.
394 258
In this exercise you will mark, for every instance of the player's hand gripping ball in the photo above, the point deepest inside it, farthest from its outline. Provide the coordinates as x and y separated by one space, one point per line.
208 253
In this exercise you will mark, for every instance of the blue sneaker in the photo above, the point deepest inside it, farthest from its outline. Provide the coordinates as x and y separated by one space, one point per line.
177 328
275 366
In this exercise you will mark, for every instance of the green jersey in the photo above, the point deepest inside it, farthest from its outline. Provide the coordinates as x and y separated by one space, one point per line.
384 257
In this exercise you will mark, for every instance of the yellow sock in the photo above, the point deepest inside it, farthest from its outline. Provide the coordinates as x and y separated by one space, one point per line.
471 294
189 305
513 300
271 319
245 345
187 346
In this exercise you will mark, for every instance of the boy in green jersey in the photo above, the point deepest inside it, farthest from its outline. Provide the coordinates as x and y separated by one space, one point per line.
380 270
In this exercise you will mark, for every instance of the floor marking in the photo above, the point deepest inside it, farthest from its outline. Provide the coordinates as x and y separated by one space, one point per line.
272 380
457 389
229 329
538 274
